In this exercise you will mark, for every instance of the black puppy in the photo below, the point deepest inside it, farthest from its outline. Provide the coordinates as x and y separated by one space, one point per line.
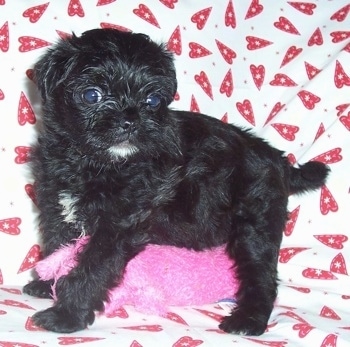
114 162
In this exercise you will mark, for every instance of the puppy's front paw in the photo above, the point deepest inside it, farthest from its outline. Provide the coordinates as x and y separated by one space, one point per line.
241 323
39 288
61 320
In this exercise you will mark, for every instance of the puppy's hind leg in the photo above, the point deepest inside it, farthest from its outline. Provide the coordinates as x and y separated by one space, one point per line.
255 249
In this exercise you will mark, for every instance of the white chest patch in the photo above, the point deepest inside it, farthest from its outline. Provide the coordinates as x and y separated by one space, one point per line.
68 203
123 150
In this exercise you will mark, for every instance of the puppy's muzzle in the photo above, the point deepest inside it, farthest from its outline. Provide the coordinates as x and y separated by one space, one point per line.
128 126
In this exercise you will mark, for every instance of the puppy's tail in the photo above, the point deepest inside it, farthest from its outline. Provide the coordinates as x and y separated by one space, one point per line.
309 176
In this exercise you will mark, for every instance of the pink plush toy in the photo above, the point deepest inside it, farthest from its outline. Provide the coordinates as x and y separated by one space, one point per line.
158 277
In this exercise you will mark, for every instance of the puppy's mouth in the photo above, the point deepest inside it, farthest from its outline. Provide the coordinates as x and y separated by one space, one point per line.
123 150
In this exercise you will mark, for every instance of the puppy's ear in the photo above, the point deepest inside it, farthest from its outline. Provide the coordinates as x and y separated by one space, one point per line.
54 66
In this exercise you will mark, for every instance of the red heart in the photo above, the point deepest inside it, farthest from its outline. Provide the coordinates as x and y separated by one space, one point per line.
5 35
30 326
321 130
135 344
176 318
22 154
75 8
338 265
334 241
146 14
327 201
187 341
203 81
304 7
30 260
258 74
345 120
194 105
275 110
104 2
316 38
341 109
330 157
34 13
224 118
292 52
227 84
169 3
287 131
292 220
175 42
151 328
318 274
311 70
301 289
107 25
30 74
340 77
201 17
230 17
246 110
29 188
341 14
10 226
308 99
25 111
327 312
120 312
285 24
303 328
254 9
282 80
198 51
14 303
339 36
64 341
330 341
288 253
227 53
256 43
29 43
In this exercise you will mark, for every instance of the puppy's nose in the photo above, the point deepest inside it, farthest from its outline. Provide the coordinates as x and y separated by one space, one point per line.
127 125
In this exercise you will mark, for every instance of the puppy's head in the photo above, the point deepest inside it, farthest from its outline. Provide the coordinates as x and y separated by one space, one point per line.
107 91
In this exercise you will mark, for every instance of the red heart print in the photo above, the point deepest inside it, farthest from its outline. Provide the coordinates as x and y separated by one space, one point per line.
213 315
308 99
29 188
34 13
282 80
256 43
176 318
14 303
288 253
330 341
292 220
75 9
258 74
347 48
301 289
187 341
12 291
4 37
30 74
22 154
200 18
29 43
345 120
311 70
303 328
104 2
275 110
30 260
120 312
230 17
135 344
318 274
246 110
341 14
30 326
341 109
339 36
65 341
198 51
327 201
10 226
304 7
16 344
321 130
227 84
224 118
146 14
194 105
227 53
292 53
25 111
292 160
107 25
340 77
338 265
203 81
330 157
177 96
151 328
254 9
175 42
285 25
287 131
334 241
327 312
268 343
169 3
316 38
2 95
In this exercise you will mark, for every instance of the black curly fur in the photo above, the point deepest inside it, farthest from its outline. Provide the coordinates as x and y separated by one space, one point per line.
129 172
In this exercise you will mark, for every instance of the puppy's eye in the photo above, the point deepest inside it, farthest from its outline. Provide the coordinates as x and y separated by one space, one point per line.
153 101
92 95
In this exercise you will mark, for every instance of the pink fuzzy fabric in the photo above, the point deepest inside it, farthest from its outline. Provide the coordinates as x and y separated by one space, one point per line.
158 277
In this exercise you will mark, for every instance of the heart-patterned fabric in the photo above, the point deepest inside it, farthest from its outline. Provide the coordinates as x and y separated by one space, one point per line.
281 68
